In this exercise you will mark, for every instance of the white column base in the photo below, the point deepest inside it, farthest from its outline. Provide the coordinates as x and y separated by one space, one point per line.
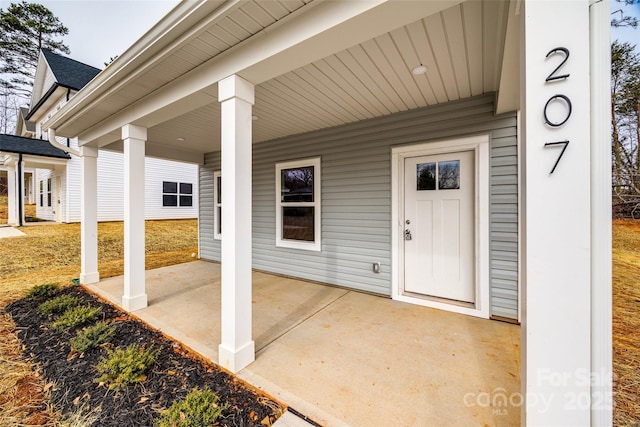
89 278
134 303
239 359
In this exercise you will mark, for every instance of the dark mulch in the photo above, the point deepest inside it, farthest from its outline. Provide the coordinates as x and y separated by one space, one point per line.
175 373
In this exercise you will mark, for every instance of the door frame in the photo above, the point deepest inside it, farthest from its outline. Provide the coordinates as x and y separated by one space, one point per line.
479 144
58 198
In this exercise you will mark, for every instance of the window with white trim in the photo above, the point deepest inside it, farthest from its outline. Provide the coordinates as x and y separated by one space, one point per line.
177 194
298 203
41 193
49 192
217 205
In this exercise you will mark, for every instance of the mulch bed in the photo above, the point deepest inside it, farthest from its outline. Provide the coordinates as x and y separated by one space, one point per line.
175 373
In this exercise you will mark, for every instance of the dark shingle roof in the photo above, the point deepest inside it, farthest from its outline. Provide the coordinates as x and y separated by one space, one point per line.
69 72
36 147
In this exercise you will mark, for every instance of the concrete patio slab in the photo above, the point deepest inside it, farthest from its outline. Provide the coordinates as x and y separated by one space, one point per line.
8 231
184 302
346 358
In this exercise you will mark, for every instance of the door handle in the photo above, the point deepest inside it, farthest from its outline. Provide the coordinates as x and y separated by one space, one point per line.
407 234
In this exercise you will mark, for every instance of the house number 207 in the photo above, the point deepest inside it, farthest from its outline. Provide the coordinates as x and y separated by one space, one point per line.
556 122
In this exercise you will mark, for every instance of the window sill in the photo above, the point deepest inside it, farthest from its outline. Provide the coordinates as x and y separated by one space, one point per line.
292 244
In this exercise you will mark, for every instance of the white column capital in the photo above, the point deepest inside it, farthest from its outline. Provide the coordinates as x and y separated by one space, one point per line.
235 86
130 131
86 151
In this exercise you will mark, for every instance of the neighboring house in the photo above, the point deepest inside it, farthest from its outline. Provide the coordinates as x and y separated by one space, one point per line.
171 189
443 153
21 156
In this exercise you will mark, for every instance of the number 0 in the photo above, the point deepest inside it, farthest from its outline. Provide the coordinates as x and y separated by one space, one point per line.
546 117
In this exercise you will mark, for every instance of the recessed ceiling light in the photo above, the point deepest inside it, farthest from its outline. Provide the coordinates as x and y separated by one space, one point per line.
419 70
180 138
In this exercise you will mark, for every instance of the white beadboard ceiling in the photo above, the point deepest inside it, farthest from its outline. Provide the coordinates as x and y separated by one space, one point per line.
461 47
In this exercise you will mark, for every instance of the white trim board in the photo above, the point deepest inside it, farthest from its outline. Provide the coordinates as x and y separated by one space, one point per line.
480 145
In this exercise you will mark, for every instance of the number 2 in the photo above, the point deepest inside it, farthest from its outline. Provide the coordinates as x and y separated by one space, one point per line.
552 76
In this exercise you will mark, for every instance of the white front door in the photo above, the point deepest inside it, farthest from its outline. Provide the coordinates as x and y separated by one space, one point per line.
439 218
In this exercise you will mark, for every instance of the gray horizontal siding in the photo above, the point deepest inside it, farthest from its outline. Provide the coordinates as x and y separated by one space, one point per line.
504 221
209 247
356 197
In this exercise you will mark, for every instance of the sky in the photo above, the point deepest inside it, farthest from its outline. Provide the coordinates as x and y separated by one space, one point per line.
101 29
630 35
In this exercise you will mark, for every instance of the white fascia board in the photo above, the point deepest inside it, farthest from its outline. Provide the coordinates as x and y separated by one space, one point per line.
43 162
182 23
309 34
160 151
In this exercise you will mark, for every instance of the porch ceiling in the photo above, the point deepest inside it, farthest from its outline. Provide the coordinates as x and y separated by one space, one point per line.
462 47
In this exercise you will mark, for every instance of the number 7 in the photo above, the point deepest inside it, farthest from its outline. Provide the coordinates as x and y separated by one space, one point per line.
553 144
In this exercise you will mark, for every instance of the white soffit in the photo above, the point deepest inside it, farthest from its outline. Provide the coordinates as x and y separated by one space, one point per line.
461 46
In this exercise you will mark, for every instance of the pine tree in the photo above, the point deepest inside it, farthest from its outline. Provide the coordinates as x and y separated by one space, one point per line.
25 28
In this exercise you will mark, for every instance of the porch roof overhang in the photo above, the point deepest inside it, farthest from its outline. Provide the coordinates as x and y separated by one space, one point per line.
315 64
29 146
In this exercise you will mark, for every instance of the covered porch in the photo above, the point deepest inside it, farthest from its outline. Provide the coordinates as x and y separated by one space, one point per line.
345 357
250 89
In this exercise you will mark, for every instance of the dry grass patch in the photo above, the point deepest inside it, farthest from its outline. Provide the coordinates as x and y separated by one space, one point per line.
51 254
22 393
4 209
626 320
29 210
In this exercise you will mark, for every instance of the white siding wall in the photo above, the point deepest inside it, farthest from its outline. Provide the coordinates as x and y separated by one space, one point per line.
356 197
111 187
156 171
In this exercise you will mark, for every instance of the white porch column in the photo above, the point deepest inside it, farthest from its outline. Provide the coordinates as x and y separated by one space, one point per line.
89 215
556 332
12 195
601 287
20 190
237 348
135 296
